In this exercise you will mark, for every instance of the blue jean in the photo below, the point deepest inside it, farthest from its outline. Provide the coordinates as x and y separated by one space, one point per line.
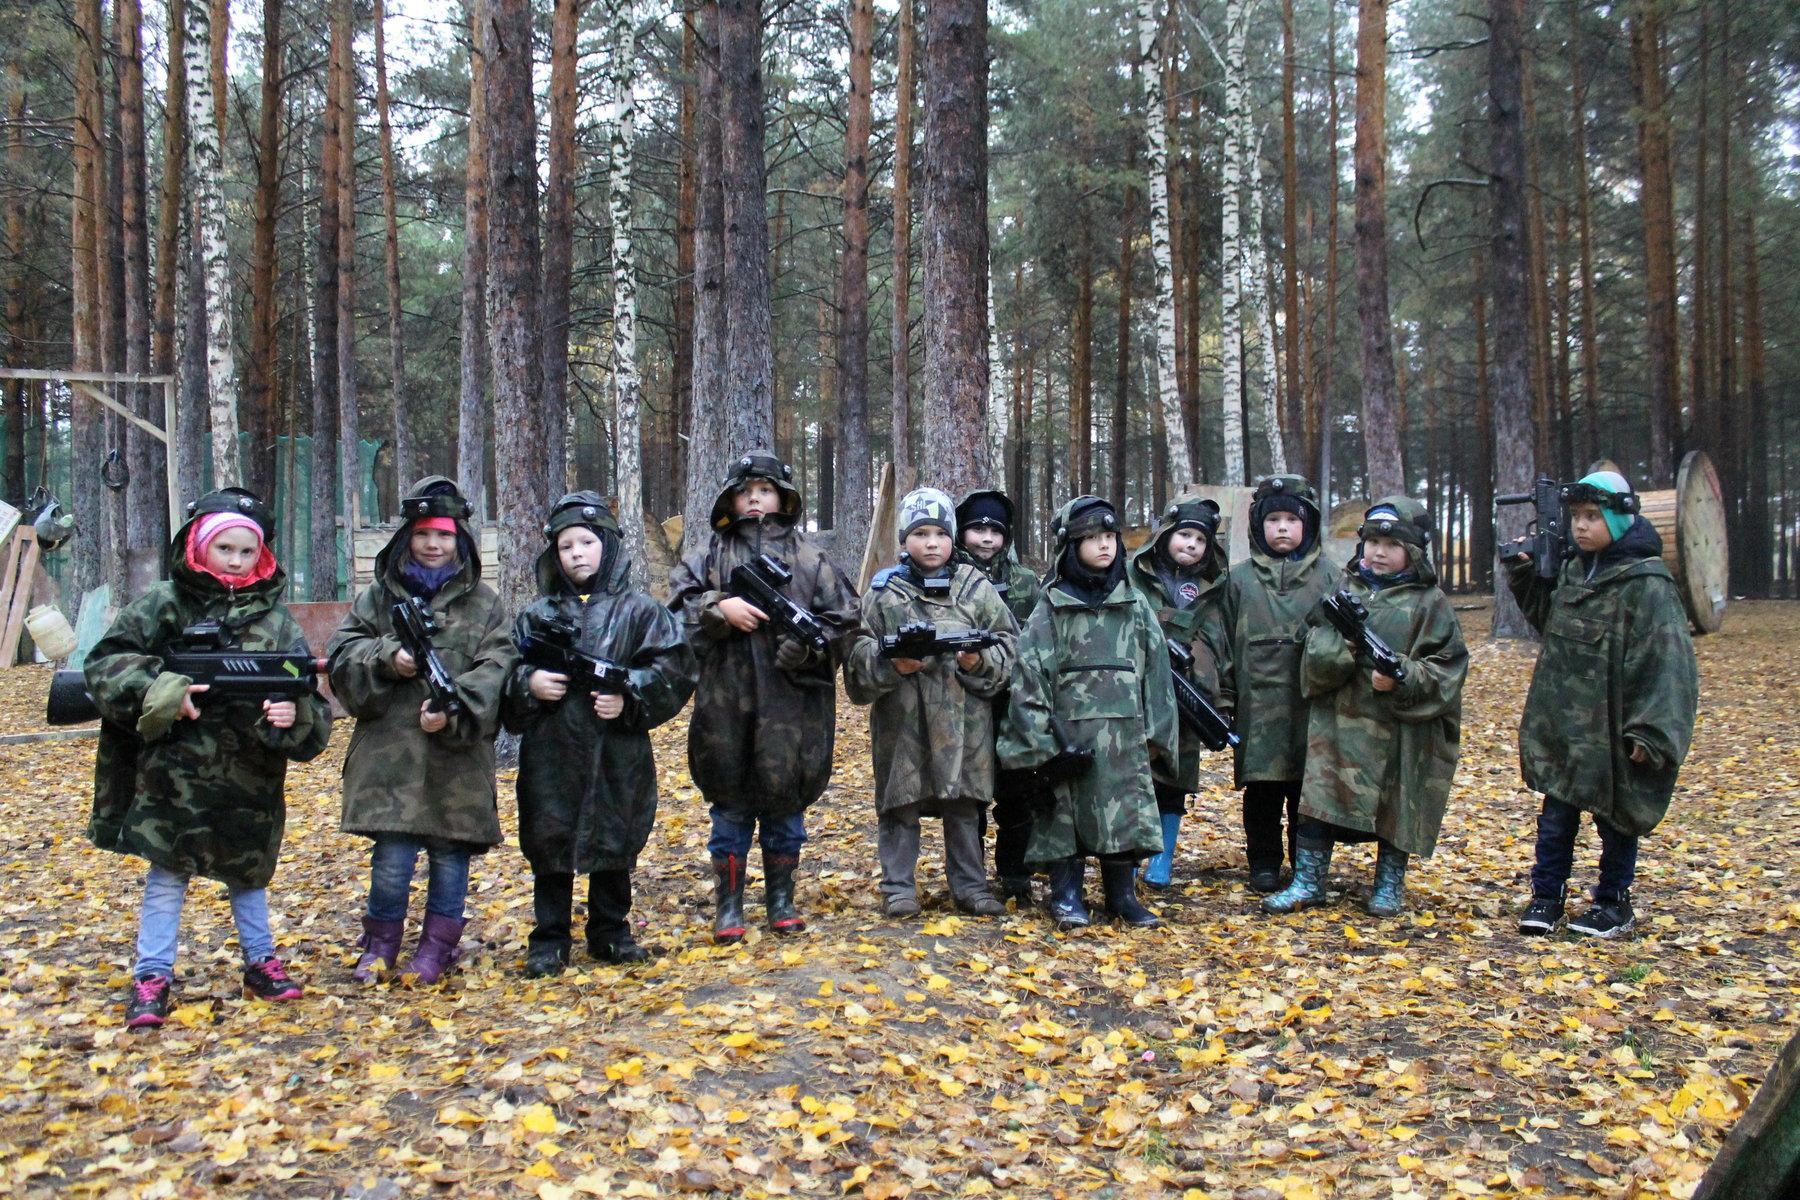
391 865
732 831
1557 826
159 922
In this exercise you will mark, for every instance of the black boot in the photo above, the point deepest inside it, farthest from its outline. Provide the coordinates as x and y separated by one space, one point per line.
609 919
547 951
728 898
778 893
1066 906
1119 877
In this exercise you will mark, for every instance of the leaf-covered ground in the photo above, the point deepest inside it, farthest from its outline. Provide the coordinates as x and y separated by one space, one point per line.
1226 1054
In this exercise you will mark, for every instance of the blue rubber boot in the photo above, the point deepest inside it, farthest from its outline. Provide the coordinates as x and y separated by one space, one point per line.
1390 883
1312 866
1159 869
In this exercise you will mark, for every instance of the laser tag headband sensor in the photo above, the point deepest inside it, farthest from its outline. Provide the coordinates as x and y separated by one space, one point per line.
241 501
1383 521
446 503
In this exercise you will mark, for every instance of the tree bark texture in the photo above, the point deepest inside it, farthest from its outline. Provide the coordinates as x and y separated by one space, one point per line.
323 560
146 500
204 148
853 499
472 409
406 467
1380 407
900 334
1298 402
628 385
559 236
260 393
1656 202
709 446
1156 141
349 432
749 353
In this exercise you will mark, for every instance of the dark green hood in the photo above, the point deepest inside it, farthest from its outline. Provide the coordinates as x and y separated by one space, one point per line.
758 464
1413 529
446 491
583 508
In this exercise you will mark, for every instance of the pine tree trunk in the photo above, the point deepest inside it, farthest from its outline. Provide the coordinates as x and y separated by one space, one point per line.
900 333
1189 299
1757 548
209 203
146 500
709 446
169 199
1481 501
1656 203
853 289
406 467
1732 447
1565 423
1081 376
628 386
515 266
1327 369
350 491
1150 51
749 353
1514 441
1538 268
18 391
323 552
1184 254
1298 403
260 394
1703 429
86 419
1122 355
956 244
681 376
1590 330
1380 413
559 237
473 364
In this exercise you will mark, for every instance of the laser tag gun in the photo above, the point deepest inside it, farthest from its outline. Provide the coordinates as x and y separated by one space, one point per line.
760 581
922 639
415 625
205 654
1198 712
1547 537
550 644
1350 618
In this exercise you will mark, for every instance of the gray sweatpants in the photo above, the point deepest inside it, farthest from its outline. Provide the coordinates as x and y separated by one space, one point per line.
898 838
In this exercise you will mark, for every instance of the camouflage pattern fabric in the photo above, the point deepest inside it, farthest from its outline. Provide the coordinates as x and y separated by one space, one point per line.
932 732
1182 625
1105 672
206 797
1617 669
760 739
398 778
587 787
1383 762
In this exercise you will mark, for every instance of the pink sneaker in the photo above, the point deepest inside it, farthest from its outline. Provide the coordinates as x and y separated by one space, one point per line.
148 1006
268 980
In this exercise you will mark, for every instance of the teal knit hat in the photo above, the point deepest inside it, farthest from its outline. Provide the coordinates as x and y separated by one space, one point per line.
1617 519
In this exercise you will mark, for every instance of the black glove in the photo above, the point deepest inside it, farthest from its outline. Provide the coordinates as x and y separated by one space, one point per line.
791 655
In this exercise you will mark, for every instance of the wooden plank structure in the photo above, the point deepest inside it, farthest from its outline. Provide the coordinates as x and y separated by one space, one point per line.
18 572
1760 1159
370 539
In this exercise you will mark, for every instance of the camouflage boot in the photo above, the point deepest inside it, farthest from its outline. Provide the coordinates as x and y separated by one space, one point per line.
728 898
778 893
1312 866
1066 906
437 947
380 948
1390 883
1119 877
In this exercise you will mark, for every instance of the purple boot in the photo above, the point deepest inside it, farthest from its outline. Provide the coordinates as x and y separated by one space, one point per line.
437 947
381 948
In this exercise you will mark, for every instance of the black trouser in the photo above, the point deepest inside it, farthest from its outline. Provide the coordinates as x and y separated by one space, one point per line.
553 902
1013 800
1557 826
1266 801
1171 798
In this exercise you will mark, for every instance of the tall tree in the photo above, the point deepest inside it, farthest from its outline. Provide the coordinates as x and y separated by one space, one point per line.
472 409
348 431
1657 205
1122 354
743 174
18 397
260 399
853 294
1297 401
405 464
515 273
146 501
168 210
209 206
1756 534
87 426
1380 405
956 243
1328 363
559 237
681 376
1584 220
709 439
322 562
1156 141
900 334
628 386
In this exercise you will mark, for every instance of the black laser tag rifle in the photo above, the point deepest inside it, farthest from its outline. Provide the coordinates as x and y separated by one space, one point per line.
415 625
1547 537
1350 618
760 581
551 644
1198 712
1071 761
205 654
923 639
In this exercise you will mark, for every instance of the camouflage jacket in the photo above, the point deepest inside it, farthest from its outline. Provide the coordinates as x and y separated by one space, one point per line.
1255 632
760 739
1617 669
1105 672
398 778
1016 583
932 732
1182 625
587 787
1382 762
205 798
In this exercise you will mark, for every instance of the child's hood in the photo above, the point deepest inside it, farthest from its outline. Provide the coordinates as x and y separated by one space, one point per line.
1192 512
1410 525
758 464
432 496
1284 493
590 509
232 500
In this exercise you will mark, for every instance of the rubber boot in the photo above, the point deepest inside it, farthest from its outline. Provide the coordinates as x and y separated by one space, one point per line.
778 893
1159 869
1312 864
1390 883
380 947
1066 906
437 947
1119 877
728 898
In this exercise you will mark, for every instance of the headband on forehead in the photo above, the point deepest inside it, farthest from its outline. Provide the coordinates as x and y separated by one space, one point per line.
1626 503
1385 521
438 504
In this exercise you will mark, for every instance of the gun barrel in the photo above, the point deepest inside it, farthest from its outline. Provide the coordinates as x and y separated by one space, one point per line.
1513 498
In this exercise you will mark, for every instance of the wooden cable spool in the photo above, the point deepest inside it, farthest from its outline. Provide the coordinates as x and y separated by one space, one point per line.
1690 518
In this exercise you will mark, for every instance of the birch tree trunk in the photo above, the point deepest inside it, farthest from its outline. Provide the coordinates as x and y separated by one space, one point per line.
998 415
405 468
168 211
209 205
472 410
1256 273
1156 143
627 385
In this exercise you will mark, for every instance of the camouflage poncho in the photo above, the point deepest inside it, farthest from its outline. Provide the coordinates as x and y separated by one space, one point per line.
932 732
1382 762
1617 669
587 787
1105 671
1182 624
397 777
760 738
205 798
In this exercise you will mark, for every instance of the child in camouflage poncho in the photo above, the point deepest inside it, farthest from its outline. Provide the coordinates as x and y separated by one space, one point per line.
1380 751
196 787
1611 709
